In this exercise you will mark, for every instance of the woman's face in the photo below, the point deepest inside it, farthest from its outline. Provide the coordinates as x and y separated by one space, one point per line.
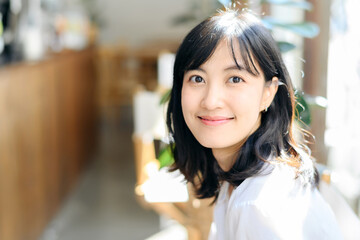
222 105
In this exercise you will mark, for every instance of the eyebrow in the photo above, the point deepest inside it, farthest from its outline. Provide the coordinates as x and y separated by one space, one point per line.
232 67
235 67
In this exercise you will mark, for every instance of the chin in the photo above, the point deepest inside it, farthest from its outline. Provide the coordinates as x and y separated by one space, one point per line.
212 144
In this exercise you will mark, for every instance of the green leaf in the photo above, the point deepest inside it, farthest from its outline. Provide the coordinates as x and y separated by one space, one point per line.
285 46
165 97
302 110
165 157
298 4
1 27
304 29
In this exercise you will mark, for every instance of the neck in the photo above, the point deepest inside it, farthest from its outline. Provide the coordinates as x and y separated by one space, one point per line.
225 158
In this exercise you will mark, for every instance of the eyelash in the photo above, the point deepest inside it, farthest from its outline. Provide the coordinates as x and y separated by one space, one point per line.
194 78
240 79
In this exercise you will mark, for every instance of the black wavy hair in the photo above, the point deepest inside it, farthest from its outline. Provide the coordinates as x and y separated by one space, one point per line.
275 136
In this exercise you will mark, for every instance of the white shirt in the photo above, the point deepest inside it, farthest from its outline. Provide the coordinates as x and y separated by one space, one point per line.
273 206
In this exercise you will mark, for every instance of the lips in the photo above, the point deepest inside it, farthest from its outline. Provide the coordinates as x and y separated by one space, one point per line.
214 120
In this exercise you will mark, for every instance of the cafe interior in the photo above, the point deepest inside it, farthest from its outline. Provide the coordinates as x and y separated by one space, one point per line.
83 86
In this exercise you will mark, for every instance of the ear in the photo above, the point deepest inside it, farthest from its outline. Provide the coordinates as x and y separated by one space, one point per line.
269 93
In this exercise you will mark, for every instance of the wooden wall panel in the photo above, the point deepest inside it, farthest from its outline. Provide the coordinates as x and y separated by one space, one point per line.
51 149
10 217
47 118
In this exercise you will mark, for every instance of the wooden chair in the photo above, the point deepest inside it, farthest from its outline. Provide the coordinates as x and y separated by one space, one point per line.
194 214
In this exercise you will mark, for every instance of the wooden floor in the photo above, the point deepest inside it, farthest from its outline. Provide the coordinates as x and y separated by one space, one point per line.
102 206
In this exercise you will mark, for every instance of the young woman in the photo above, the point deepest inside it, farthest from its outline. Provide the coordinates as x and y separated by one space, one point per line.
231 116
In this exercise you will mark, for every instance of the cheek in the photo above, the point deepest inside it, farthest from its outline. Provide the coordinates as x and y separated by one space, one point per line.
247 101
188 101
184 104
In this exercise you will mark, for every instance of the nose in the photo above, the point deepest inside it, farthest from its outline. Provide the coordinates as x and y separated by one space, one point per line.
213 97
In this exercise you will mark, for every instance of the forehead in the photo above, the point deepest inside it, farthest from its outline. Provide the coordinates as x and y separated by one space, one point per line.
229 51
225 53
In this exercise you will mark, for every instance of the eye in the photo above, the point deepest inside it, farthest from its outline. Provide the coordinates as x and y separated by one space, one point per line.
196 79
235 79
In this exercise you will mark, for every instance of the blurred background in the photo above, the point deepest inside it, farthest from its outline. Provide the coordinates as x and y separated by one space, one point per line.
83 147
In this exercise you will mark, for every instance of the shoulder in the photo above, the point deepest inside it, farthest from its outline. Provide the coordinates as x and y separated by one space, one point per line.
270 202
277 182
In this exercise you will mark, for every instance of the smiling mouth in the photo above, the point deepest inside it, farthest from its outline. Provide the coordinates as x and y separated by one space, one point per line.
214 121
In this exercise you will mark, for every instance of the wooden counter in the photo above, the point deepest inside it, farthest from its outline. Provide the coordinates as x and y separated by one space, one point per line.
47 134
